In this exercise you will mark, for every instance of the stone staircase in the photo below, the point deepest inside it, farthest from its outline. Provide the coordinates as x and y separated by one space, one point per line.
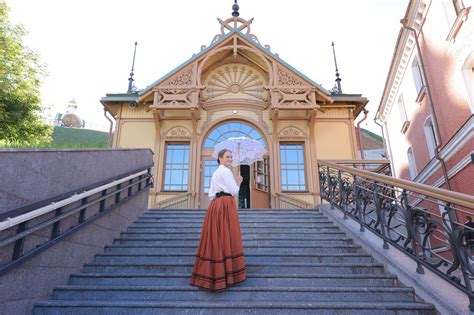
298 262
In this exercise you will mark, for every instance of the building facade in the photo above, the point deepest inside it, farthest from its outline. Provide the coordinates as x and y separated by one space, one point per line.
236 87
428 102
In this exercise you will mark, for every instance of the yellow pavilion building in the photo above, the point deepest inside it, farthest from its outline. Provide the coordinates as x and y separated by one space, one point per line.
236 87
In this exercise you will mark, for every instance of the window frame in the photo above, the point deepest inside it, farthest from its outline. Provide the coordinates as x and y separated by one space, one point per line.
412 169
302 143
418 79
403 113
430 136
165 157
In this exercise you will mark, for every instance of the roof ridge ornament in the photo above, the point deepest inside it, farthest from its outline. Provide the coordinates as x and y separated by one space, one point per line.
235 9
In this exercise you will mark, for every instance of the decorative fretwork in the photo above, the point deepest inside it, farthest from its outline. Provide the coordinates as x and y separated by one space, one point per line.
185 78
177 133
287 79
235 81
428 224
291 133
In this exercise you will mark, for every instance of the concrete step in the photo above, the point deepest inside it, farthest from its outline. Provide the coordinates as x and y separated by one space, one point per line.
94 307
295 268
265 280
140 240
168 258
242 220
154 227
256 236
253 210
242 224
237 293
132 247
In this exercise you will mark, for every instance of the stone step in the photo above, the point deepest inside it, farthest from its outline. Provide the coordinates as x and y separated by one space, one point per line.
295 268
282 229
132 247
151 240
168 258
242 220
292 225
256 236
253 210
237 293
267 280
94 307
316 215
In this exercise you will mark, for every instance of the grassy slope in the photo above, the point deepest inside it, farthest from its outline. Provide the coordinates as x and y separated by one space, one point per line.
70 138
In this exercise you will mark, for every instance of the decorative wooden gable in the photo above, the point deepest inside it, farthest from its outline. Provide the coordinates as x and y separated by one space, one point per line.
236 67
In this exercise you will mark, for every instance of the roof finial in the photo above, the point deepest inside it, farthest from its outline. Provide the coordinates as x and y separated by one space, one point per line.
235 9
130 80
338 80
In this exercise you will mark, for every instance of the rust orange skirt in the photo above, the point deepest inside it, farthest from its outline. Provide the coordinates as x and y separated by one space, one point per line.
219 260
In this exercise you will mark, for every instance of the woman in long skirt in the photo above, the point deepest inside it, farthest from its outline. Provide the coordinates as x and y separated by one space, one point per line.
220 260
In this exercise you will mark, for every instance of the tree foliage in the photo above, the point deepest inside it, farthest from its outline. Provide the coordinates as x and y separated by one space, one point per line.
20 79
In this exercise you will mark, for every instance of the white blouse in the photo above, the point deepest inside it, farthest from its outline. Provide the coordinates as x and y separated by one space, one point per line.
223 180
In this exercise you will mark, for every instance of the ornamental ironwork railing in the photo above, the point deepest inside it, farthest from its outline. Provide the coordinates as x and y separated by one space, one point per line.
28 230
429 224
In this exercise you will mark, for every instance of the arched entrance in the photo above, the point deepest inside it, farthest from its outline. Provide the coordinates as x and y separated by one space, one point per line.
255 188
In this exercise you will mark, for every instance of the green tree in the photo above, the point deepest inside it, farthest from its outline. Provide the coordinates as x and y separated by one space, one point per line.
20 80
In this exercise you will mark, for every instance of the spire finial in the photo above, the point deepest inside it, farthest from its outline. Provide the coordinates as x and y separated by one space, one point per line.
338 79
235 9
130 80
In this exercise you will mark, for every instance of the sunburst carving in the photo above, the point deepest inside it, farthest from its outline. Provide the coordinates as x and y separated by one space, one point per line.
235 81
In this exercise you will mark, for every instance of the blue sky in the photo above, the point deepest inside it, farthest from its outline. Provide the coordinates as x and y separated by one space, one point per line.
87 45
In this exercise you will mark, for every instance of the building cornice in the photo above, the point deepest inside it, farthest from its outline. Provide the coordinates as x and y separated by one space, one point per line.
415 15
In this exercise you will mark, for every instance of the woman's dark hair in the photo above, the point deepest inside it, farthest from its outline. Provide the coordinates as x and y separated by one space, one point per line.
221 154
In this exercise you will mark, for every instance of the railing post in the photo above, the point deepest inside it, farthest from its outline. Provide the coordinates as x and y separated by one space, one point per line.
357 202
117 195
55 232
82 213
411 228
330 191
18 249
342 194
103 201
378 206
130 182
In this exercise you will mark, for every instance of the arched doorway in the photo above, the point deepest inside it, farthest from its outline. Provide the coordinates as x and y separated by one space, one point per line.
255 188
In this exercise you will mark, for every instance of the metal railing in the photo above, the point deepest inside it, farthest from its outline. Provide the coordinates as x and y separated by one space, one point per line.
28 230
287 202
182 201
427 223
376 166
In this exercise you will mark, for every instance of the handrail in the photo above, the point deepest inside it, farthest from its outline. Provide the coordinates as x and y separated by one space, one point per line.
49 219
176 200
9 222
293 200
437 193
428 224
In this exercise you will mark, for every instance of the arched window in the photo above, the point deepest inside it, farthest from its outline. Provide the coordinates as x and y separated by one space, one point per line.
430 136
232 129
411 163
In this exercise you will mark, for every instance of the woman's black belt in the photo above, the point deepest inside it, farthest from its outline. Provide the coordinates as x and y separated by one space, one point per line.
222 194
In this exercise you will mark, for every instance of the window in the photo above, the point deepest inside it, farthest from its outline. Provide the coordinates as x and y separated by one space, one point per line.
260 169
430 136
411 163
209 168
292 167
418 78
176 167
403 114
232 129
